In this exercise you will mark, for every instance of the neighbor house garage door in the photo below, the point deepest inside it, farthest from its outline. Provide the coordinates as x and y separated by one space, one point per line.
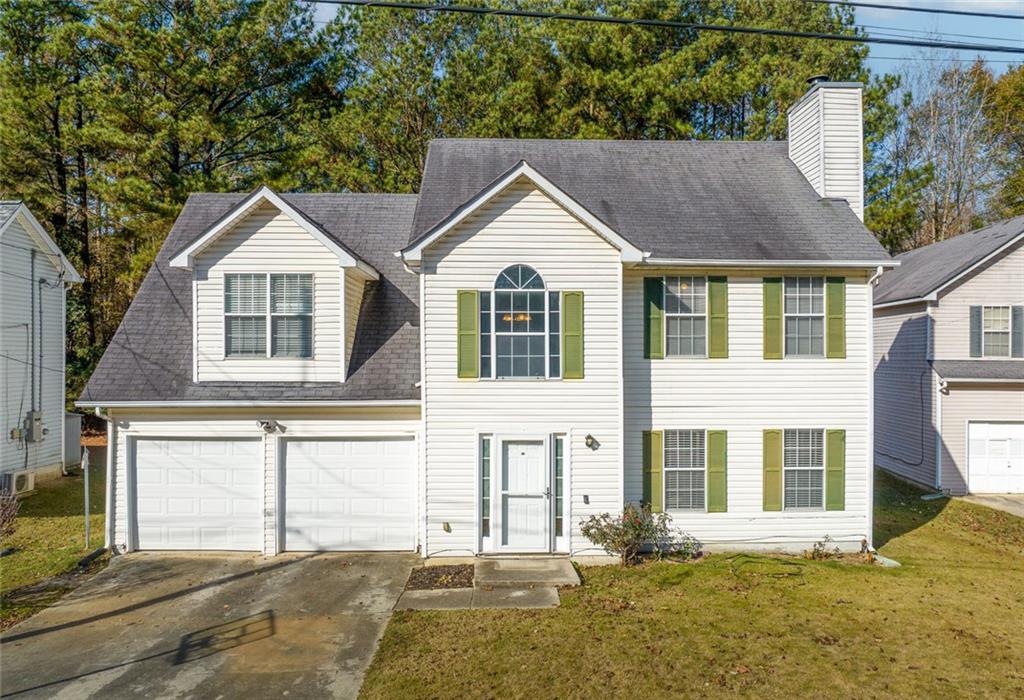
350 494
199 494
996 457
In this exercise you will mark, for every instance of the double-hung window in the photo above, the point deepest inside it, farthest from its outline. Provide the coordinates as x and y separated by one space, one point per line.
803 467
685 467
996 331
686 320
804 311
520 327
275 306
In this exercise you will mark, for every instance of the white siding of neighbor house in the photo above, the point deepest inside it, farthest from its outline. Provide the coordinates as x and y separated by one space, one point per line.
746 394
520 225
904 394
267 240
15 321
972 403
355 285
224 424
1000 283
825 142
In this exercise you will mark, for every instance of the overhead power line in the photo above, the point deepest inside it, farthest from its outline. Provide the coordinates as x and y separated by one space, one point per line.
917 8
672 24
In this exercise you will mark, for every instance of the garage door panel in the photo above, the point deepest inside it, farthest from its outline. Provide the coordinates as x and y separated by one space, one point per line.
349 494
996 457
199 494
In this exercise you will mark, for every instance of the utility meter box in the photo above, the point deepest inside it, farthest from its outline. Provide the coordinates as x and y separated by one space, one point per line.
34 430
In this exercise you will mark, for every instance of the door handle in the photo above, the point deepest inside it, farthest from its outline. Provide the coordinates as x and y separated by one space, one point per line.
547 492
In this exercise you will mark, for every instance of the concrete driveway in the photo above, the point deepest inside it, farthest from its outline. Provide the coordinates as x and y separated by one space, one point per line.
172 626
1012 503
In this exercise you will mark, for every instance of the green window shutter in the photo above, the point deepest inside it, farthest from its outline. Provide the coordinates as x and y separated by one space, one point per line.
773 318
654 318
468 334
717 445
835 470
772 455
572 335
654 457
718 317
835 318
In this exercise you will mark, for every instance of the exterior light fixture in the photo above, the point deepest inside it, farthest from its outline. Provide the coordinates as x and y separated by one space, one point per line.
590 441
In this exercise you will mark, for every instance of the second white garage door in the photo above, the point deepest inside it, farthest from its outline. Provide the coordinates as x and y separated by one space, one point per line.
350 495
996 457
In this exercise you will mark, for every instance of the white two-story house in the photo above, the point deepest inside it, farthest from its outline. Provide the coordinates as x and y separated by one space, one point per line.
949 354
548 330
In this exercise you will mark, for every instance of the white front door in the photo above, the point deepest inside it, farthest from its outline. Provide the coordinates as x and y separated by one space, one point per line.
996 457
525 497
350 494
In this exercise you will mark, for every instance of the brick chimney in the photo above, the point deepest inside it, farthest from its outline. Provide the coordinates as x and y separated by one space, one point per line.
826 140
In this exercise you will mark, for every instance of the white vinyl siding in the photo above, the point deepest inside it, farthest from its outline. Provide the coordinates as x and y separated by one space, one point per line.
15 347
826 142
995 284
904 394
268 242
520 225
746 394
223 424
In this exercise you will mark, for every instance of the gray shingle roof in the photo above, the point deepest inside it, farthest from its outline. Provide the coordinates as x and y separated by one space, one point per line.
924 270
711 200
150 357
7 209
980 369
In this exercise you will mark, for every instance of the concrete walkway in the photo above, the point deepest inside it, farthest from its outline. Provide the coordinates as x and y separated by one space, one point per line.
518 583
1009 503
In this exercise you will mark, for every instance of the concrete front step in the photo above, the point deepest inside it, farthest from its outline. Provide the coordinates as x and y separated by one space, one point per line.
479 599
524 573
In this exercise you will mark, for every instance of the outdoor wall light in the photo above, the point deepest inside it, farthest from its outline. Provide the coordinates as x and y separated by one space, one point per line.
271 426
590 441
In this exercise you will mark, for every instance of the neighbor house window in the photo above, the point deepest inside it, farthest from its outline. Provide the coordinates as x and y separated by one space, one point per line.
278 306
520 327
686 320
803 466
996 331
684 469
485 486
805 316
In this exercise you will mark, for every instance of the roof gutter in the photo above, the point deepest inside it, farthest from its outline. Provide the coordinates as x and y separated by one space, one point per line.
245 404
980 380
696 262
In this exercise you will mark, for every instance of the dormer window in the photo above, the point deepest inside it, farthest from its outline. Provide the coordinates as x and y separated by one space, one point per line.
262 305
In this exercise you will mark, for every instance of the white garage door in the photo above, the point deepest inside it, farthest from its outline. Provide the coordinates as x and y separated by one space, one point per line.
350 495
199 494
996 457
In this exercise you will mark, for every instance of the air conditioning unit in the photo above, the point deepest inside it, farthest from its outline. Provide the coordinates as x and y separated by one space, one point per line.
19 483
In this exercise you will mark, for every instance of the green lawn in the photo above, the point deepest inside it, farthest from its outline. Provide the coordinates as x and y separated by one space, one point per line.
950 622
50 540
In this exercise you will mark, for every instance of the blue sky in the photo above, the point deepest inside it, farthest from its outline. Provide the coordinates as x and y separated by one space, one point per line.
896 23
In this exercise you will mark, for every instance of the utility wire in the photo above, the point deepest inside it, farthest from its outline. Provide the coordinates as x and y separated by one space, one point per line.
669 24
915 8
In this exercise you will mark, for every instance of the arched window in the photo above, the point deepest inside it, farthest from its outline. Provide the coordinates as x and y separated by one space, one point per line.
520 329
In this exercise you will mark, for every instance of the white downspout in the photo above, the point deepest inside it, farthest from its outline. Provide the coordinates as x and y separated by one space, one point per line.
108 507
939 388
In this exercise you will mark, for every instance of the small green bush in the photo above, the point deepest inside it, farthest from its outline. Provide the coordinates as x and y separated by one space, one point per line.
638 530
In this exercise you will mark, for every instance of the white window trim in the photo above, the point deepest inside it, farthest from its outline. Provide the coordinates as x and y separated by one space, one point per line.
824 465
546 333
269 321
1009 331
666 468
706 315
822 315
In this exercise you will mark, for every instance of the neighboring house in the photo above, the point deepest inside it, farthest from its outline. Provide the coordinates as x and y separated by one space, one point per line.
549 329
949 363
34 275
